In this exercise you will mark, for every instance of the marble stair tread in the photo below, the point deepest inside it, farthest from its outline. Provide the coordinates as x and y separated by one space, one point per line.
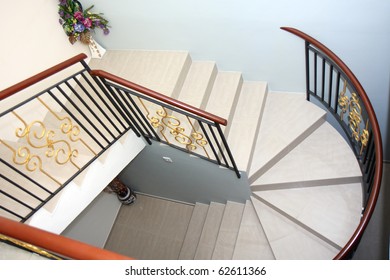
198 84
330 212
224 96
161 71
227 235
288 240
245 124
210 231
252 243
287 120
324 157
194 231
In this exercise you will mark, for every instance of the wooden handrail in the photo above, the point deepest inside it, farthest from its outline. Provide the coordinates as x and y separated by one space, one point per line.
159 96
57 244
40 76
369 210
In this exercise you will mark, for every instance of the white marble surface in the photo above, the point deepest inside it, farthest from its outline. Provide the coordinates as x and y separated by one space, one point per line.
324 156
252 243
228 231
288 118
332 212
224 94
161 71
210 231
245 124
198 83
288 240
194 231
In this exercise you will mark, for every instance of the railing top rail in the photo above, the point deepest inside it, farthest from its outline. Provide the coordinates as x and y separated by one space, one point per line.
375 130
41 76
56 243
159 96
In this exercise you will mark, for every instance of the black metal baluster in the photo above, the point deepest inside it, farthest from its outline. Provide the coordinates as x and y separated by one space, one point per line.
144 119
25 176
330 86
12 212
228 150
209 141
307 61
87 107
21 188
218 145
133 114
336 99
323 78
73 117
315 73
103 88
119 106
101 110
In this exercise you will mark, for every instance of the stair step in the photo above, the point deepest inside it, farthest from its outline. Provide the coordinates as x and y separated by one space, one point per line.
330 212
194 232
246 122
252 243
80 192
224 96
161 71
290 241
210 231
198 83
227 236
331 162
287 120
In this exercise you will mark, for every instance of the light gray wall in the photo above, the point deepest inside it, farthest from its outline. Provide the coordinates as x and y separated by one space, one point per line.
244 35
186 179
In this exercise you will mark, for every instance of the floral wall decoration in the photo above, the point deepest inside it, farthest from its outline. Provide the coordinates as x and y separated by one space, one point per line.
78 23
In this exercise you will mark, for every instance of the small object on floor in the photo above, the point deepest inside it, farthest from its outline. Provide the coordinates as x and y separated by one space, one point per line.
124 193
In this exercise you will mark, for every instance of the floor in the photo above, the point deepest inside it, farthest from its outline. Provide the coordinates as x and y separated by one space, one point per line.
160 239
150 229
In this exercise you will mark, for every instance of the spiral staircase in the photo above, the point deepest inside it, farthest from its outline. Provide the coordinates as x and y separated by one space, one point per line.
306 194
306 184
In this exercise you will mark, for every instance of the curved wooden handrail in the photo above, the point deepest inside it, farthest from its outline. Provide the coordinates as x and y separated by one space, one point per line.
40 76
57 244
159 96
353 241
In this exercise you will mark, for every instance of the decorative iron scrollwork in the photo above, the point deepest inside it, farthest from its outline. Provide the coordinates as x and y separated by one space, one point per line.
351 105
163 121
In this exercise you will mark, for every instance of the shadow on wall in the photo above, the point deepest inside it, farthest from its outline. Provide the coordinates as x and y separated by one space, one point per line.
185 178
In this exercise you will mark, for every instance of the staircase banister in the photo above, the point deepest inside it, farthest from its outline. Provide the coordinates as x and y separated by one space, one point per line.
158 96
57 244
369 209
41 76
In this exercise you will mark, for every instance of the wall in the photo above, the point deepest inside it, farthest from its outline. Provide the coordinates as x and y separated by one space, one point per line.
245 36
32 40
186 179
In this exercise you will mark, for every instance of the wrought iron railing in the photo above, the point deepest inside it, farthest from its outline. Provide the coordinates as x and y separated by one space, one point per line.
331 82
163 119
54 135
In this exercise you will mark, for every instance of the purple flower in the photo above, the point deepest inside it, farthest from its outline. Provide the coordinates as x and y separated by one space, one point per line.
106 31
78 27
63 2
